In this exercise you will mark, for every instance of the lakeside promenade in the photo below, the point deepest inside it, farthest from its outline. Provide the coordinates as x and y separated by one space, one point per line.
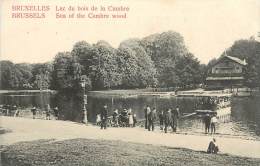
23 129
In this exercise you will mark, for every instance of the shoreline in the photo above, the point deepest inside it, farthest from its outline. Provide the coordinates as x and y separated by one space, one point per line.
23 129
29 91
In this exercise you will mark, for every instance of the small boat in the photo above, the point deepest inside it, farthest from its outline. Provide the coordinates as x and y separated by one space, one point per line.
219 106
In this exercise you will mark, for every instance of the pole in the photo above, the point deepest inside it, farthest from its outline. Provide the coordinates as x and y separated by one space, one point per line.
85 115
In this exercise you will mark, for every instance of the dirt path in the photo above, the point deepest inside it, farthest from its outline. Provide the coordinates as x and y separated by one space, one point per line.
23 129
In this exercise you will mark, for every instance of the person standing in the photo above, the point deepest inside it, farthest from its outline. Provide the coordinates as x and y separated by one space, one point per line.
213 123
48 112
33 110
151 119
56 113
130 118
161 119
167 119
135 120
147 110
16 111
175 116
98 120
103 115
115 118
207 123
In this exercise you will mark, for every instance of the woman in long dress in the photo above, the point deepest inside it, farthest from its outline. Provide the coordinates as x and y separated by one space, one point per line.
130 117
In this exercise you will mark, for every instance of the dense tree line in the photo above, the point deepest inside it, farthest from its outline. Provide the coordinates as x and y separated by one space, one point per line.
25 76
159 60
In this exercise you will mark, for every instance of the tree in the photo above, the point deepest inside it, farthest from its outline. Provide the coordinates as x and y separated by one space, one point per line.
84 53
128 67
42 75
146 72
26 72
104 72
165 49
188 69
66 71
15 76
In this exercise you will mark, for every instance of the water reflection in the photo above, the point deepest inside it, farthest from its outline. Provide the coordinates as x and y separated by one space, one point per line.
245 113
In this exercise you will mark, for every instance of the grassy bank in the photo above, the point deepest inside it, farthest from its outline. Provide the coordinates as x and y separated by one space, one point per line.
101 152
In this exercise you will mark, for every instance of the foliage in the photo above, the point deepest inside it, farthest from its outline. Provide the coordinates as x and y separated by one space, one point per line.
104 71
159 60
189 70
67 71
174 64
42 75
144 72
84 53
127 64
15 76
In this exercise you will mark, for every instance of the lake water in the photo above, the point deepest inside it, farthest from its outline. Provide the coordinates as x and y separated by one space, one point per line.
244 122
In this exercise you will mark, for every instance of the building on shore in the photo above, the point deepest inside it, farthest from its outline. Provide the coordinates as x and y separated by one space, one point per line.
227 72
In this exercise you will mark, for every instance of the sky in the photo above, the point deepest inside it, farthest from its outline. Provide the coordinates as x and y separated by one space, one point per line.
208 26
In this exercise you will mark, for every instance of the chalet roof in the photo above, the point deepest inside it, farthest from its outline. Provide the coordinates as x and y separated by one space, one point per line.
242 62
224 78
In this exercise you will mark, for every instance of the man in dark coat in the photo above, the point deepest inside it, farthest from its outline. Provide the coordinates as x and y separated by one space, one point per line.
161 119
151 119
103 115
167 119
207 119
147 110
175 116
34 112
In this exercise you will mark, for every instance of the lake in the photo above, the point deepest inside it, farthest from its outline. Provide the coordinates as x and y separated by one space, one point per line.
244 121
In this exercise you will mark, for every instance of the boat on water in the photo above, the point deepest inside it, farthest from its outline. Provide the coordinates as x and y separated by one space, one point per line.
215 105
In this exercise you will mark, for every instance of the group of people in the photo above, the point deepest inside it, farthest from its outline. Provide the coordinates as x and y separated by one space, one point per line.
168 118
126 118
48 112
9 110
210 123
12 110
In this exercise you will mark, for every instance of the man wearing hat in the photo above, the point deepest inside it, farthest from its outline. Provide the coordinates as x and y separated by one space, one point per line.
103 115
33 112
207 119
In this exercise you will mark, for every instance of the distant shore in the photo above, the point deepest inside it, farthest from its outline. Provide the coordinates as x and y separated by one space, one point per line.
31 91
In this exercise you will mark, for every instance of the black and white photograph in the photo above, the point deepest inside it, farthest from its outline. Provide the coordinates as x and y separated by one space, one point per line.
129 83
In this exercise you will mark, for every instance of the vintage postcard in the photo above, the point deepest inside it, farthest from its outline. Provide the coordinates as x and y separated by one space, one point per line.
129 82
